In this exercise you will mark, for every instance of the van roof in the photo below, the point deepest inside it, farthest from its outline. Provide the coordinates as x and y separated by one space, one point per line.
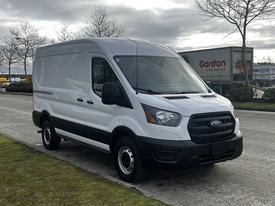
113 46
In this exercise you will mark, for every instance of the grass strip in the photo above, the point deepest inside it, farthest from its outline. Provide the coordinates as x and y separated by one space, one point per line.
28 177
258 106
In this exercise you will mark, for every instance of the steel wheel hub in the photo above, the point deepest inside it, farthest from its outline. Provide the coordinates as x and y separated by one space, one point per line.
126 160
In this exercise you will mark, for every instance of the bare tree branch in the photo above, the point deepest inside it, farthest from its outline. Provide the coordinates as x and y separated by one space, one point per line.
230 33
1 56
239 13
8 48
64 33
100 25
27 39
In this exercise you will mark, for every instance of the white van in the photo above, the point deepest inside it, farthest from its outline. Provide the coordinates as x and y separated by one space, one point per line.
137 100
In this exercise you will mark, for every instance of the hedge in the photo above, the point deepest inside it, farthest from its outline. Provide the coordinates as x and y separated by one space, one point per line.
20 87
240 93
269 95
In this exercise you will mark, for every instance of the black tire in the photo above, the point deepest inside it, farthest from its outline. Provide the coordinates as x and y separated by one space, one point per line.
50 139
128 161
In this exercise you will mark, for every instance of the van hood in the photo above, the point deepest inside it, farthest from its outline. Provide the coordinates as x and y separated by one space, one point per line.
188 104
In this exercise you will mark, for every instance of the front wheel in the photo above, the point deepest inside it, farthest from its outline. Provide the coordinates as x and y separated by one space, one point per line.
51 140
128 161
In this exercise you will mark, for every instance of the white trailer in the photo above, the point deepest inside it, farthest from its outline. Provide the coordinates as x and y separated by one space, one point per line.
220 65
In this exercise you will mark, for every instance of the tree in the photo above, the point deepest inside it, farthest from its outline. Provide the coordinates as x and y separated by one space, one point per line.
8 50
100 25
1 56
240 13
27 40
64 33
267 60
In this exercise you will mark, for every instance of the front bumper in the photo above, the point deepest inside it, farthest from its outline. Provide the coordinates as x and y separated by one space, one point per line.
189 154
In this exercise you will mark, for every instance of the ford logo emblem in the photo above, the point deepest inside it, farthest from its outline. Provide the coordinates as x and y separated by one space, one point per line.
216 124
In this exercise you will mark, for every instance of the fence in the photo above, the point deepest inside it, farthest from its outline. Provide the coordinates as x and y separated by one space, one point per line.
221 83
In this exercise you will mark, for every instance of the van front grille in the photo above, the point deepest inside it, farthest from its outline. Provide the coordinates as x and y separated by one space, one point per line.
211 127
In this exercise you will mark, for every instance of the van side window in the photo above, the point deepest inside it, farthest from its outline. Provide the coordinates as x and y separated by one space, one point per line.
101 73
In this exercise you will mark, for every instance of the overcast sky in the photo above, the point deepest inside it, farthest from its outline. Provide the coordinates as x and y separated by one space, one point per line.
176 23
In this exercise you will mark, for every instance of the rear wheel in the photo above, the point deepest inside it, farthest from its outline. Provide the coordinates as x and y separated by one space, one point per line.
128 161
50 139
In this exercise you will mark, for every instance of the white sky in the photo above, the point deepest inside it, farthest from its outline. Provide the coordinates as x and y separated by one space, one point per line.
146 4
176 23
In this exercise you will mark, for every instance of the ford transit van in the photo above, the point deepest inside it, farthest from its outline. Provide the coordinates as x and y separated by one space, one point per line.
139 101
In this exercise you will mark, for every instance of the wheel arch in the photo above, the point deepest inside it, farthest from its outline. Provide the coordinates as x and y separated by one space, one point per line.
122 131
45 115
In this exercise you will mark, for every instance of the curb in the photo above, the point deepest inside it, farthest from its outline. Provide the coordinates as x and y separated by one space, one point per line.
17 93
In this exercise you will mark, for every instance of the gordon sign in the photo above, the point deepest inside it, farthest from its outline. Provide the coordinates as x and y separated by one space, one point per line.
220 64
212 64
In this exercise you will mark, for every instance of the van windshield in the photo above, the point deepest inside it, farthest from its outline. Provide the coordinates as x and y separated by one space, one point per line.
160 75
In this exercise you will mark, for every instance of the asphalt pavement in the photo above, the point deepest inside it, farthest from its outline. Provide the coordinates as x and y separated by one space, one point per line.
248 180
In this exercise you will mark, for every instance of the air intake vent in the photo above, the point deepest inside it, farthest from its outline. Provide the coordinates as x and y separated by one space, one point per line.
209 96
211 127
176 97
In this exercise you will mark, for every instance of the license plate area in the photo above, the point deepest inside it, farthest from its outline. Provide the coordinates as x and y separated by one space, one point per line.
219 148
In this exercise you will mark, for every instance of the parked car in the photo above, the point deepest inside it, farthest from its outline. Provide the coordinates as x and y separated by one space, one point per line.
137 100
4 82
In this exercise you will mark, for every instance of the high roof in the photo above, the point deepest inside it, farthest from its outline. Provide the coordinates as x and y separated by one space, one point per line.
115 46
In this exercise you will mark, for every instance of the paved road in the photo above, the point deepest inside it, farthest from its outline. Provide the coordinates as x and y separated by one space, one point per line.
248 180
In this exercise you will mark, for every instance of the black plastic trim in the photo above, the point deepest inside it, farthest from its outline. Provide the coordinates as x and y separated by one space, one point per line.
186 153
212 135
176 97
75 128
209 96
127 132
36 118
83 130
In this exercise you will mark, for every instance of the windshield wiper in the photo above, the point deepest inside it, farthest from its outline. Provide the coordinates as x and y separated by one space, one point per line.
149 91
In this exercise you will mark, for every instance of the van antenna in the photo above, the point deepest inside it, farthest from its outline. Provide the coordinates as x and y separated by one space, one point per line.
136 65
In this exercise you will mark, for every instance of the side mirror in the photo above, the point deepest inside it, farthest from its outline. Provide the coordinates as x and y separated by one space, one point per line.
111 93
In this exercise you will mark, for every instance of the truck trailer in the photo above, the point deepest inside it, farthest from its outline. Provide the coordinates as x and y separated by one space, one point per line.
220 67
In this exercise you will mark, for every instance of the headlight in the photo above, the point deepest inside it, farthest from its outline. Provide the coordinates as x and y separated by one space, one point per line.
161 117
